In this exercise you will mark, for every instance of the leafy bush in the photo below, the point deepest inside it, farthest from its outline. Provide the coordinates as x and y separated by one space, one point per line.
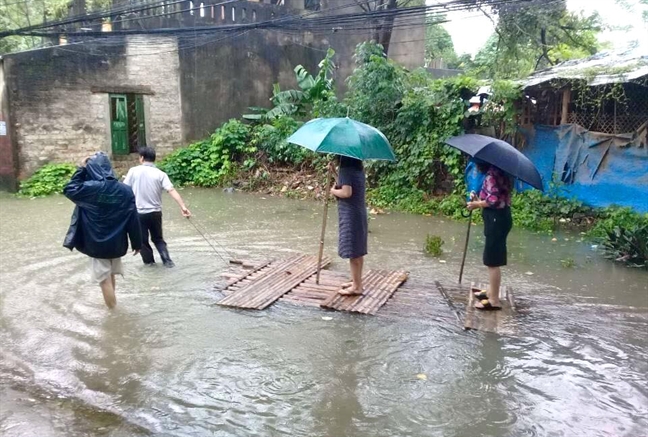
412 200
568 263
454 206
539 212
433 245
210 162
615 217
628 245
49 179
270 140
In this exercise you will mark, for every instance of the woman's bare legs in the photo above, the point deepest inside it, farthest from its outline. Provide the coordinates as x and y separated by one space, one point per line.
355 286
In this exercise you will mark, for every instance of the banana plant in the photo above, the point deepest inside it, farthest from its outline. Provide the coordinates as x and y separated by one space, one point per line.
296 102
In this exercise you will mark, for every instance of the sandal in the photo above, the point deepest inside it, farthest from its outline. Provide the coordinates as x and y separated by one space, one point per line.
486 305
481 295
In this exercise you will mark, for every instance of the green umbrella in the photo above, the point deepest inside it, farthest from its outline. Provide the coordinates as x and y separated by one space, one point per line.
343 136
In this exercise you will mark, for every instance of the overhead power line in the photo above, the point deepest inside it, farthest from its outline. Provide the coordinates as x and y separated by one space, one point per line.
139 7
297 22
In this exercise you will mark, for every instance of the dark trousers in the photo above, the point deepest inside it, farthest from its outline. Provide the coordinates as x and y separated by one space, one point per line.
151 223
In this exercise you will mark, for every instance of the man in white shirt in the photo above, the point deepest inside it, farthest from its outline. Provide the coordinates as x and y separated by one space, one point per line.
148 182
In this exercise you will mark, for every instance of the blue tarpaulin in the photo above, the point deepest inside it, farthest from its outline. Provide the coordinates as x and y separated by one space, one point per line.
598 169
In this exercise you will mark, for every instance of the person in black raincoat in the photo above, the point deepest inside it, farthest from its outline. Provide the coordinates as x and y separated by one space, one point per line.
104 218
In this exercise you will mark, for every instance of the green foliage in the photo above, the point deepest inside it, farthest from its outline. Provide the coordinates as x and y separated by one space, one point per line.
501 109
616 217
270 140
433 245
628 245
438 43
212 161
453 206
49 179
540 212
15 14
416 113
568 263
376 87
531 35
412 200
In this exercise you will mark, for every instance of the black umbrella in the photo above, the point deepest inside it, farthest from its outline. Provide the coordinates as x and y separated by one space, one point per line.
500 154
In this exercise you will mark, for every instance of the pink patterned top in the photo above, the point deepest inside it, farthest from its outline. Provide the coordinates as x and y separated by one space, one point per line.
496 189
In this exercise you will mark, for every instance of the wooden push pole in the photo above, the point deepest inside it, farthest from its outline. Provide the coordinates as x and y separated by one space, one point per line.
463 259
327 188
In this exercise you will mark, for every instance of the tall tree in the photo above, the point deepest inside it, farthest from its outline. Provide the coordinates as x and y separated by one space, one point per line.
438 43
536 34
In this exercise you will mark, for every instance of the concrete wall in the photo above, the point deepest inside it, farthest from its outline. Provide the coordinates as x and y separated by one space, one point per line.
8 158
222 80
59 100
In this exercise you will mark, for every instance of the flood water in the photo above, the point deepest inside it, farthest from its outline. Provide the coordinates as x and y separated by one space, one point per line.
169 362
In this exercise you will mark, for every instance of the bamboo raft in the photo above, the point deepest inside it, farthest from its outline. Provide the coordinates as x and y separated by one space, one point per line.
257 285
269 281
502 321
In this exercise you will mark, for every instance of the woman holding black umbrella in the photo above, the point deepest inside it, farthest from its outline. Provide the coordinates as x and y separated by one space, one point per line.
501 163
494 200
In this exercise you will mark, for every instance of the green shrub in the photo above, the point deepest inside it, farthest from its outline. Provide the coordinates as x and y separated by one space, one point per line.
433 245
568 263
412 200
270 140
454 206
211 162
616 217
628 245
540 212
49 179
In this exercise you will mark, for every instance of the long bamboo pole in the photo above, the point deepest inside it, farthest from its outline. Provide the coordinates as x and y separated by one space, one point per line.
463 259
327 189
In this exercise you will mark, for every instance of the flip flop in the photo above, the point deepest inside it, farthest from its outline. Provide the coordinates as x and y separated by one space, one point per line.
487 306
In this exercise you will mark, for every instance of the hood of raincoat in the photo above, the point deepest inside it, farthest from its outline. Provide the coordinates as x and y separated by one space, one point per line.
98 168
105 215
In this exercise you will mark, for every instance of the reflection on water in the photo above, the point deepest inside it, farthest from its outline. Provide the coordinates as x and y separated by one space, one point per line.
168 361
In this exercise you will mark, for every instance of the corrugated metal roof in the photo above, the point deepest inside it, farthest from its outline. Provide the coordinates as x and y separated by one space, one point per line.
600 69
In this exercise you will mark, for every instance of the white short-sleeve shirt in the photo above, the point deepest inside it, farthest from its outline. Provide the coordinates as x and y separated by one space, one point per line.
148 182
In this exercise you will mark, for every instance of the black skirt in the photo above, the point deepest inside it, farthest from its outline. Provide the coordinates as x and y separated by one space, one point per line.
497 225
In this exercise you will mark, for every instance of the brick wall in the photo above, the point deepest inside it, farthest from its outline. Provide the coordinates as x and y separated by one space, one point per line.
153 62
59 99
7 150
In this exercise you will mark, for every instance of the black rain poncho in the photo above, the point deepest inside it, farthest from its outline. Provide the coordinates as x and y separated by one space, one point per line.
105 214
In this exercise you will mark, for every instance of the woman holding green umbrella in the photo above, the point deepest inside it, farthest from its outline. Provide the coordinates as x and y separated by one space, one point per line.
352 220
353 142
